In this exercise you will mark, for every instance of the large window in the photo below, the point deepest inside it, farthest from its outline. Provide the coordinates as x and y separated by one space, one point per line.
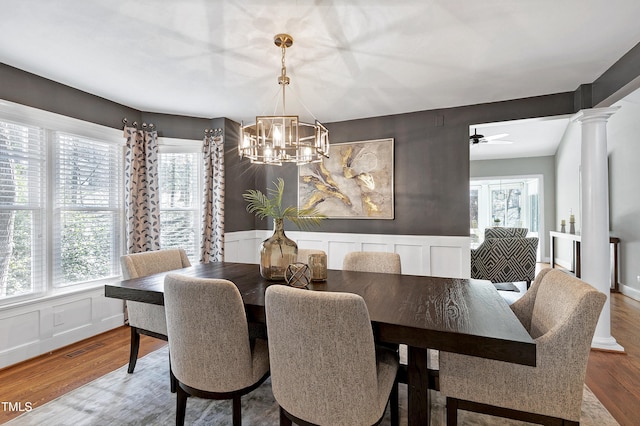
60 203
180 198
508 202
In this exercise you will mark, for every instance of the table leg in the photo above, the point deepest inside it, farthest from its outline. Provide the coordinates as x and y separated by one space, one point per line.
418 387
551 251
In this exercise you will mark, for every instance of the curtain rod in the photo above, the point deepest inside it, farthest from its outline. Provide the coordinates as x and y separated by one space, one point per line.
135 124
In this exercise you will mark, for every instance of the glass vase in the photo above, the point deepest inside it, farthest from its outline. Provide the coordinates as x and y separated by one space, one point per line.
276 253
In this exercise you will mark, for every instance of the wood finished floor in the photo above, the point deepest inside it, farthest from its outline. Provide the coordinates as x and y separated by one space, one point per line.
614 378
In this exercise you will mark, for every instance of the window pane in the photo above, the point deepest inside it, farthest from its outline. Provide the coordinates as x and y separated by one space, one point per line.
87 209
179 231
21 206
87 246
17 263
178 179
180 199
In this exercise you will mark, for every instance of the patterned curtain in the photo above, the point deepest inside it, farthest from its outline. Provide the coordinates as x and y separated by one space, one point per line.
212 247
141 197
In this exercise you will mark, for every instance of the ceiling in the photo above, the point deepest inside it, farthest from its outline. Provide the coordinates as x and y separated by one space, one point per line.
349 60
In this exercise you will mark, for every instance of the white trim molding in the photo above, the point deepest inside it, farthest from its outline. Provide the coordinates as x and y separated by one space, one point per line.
442 256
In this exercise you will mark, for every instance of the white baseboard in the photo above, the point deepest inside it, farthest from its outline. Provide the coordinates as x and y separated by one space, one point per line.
629 291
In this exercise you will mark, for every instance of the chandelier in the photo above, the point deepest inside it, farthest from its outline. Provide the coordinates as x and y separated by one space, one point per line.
276 139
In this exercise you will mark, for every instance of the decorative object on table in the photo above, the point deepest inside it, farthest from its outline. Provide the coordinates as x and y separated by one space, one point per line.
278 251
283 138
496 221
318 267
355 182
572 224
563 228
298 275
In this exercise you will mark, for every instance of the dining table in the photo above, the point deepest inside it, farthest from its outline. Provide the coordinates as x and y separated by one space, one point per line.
459 315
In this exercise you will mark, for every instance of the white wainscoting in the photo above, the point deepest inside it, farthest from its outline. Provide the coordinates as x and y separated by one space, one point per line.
441 256
36 327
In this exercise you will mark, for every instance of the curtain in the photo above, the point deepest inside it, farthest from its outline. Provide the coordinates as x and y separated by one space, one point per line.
212 247
141 197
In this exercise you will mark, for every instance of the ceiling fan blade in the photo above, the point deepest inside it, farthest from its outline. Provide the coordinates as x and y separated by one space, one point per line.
499 142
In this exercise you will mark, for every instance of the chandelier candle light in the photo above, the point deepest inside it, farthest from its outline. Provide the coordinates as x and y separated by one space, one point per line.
275 139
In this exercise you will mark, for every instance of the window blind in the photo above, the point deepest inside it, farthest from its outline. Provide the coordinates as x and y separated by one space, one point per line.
87 198
22 203
180 201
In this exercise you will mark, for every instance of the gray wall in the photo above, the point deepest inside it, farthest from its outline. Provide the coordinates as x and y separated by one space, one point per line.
431 149
544 166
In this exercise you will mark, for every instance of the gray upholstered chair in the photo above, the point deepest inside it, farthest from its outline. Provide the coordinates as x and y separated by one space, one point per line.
211 354
505 255
372 261
560 312
145 318
330 374
303 254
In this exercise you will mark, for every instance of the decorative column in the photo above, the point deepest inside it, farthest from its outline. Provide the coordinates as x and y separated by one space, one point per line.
595 249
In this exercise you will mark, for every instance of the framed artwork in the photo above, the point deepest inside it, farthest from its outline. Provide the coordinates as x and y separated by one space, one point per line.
355 182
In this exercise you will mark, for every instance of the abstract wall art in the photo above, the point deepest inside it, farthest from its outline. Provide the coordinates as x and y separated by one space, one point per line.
355 182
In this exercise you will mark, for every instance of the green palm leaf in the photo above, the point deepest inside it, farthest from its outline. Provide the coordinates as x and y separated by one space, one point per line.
271 206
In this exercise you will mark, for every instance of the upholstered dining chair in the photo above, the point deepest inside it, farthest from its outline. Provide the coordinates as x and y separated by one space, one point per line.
376 261
560 312
330 374
505 255
372 261
211 353
303 254
145 318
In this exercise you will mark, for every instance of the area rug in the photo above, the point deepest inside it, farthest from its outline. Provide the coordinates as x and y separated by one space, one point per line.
143 398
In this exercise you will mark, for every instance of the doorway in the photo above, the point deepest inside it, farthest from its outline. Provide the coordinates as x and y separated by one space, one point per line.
508 201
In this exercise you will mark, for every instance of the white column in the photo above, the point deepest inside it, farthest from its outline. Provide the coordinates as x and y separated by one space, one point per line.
595 250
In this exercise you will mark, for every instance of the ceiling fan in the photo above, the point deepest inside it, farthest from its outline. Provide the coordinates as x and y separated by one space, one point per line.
477 139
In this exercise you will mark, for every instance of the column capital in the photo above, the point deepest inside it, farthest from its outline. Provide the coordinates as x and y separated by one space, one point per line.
592 115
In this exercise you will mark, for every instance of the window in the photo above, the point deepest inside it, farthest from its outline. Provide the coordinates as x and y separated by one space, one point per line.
508 202
180 182
60 203
87 205
22 164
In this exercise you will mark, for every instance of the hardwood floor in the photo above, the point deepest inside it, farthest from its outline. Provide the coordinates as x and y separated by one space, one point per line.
48 376
613 378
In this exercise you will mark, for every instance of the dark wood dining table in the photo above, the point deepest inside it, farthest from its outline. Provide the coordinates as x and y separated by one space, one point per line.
464 316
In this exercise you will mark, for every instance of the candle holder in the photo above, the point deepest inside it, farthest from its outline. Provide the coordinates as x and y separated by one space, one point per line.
318 267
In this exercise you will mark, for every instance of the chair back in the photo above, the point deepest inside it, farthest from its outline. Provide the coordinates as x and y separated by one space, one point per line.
562 300
372 261
499 232
144 315
153 262
208 333
322 355
502 260
303 254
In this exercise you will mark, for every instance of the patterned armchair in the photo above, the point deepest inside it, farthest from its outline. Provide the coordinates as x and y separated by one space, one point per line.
506 255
